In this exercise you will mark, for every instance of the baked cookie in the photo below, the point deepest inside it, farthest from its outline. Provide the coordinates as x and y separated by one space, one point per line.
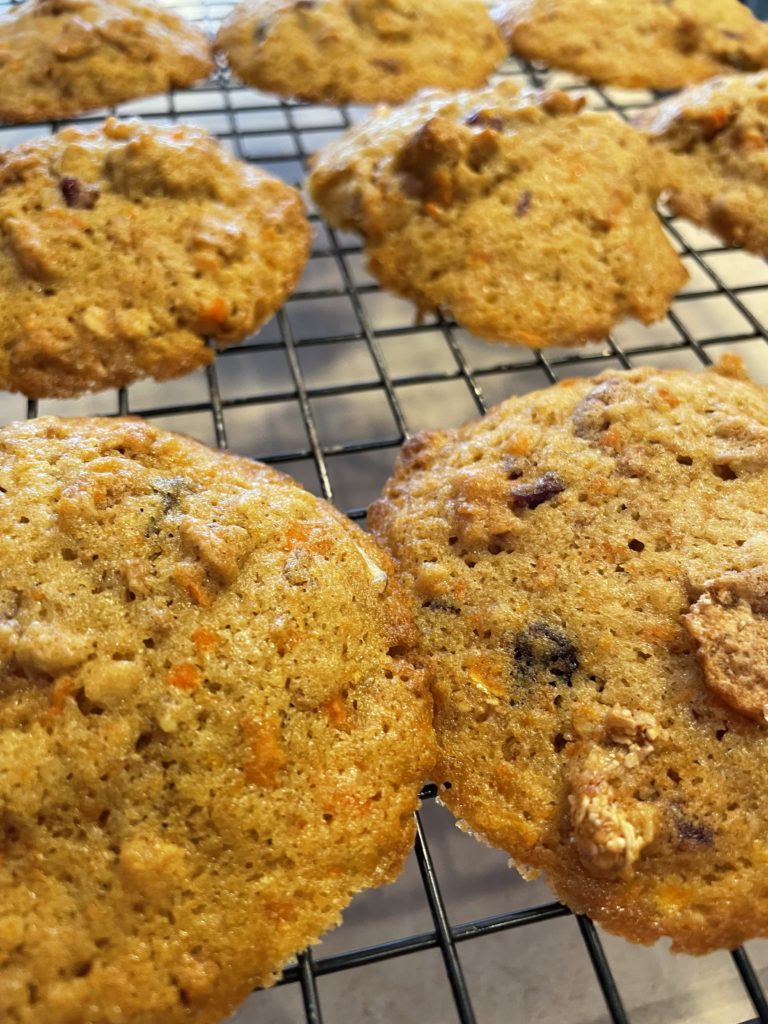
492 205
361 50
712 144
123 247
210 734
654 44
592 567
63 57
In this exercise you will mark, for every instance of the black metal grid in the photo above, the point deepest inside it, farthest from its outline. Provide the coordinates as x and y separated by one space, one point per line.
282 136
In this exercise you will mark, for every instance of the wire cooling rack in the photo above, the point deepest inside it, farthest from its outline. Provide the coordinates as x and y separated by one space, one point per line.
328 391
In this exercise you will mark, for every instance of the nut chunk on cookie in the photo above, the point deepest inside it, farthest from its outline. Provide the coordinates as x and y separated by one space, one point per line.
729 623
63 57
711 144
590 565
367 51
202 757
492 205
123 247
655 44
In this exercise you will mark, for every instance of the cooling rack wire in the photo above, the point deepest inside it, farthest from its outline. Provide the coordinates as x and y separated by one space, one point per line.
328 391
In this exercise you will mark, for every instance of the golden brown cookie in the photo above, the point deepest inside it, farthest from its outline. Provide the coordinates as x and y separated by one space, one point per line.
361 50
655 44
124 247
63 57
211 736
492 205
711 142
591 563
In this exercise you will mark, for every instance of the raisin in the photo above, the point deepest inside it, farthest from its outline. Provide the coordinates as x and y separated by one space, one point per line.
261 31
390 66
435 605
590 417
485 120
543 653
523 204
694 832
533 494
170 490
77 194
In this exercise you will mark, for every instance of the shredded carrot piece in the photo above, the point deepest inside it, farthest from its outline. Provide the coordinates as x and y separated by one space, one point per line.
191 578
184 676
519 443
297 533
335 710
612 438
217 310
205 640
266 756
303 533
60 690
666 395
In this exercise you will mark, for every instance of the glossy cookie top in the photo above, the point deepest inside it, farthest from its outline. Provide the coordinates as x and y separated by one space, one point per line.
126 246
64 57
362 50
591 565
210 734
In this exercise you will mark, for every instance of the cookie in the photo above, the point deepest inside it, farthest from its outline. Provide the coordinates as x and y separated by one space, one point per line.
124 247
210 734
366 51
491 205
711 144
64 57
653 44
591 563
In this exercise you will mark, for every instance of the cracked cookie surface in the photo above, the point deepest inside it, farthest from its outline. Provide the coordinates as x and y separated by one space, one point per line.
711 142
367 51
591 565
490 205
122 248
654 44
210 734
64 57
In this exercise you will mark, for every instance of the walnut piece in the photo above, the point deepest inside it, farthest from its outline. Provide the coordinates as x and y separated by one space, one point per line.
729 624
610 833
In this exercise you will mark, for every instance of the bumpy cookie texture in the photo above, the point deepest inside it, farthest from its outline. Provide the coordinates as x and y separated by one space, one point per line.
492 206
210 736
711 142
63 57
123 247
655 44
362 50
591 563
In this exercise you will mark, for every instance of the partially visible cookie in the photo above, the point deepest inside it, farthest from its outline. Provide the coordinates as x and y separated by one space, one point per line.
654 44
63 57
122 248
591 563
493 205
711 142
211 736
360 50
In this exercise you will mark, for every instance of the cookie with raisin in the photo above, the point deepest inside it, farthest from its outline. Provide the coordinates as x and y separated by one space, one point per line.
711 143
491 205
591 565
124 247
365 51
211 734
653 44
64 57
